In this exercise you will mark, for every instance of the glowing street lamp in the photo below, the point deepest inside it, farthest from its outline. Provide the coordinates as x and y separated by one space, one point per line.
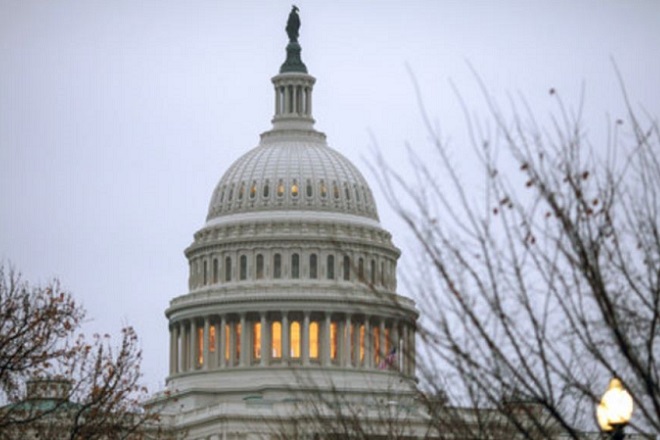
614 410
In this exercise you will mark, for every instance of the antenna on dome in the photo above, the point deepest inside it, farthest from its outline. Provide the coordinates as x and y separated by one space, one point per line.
293 61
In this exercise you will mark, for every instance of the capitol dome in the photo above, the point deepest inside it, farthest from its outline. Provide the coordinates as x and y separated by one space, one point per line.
292 281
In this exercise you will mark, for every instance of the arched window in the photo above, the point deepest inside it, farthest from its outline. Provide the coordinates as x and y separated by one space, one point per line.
357 193
206 280
260 266
266 190
212 339
276 339
294 188
361 270
372 272
324 189
253 189
347 191
309 190
313 266
280 188
228 269
347 268
256 340
295 340
314 340
243 267
362 341
215 271
330 269
295 266
335 190
277 266
231 193
241 191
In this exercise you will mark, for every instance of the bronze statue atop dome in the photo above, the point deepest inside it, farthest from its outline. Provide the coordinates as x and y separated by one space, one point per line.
293 24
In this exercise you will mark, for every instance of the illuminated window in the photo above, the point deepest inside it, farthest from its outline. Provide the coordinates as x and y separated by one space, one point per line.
347 268
260 266
388 342
309 190
324 189
205 273
253 189
241 191
228 269
266 190
277 266
227 342
212 339
333 341
361 270
215 270
243 267
295 340
330 270
295 266
376 345
372 272
256 340
362 340
313 340
313 266
276 337
294 188
280 188
200 346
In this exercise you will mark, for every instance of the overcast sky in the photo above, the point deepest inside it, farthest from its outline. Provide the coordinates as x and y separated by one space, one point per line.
118 118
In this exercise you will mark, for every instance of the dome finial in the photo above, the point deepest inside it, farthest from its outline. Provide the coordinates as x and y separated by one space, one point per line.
293 61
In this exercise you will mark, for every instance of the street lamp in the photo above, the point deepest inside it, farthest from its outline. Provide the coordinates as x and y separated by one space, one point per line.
614 410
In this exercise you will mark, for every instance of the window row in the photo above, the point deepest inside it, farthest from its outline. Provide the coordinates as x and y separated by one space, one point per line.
208 271
293 188
272 342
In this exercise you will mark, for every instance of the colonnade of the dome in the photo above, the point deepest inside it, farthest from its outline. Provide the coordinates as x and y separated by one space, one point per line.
290 338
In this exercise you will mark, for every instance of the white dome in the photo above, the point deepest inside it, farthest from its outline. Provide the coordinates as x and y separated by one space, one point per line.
292 174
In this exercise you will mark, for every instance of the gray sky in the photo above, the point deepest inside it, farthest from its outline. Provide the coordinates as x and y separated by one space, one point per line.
117 118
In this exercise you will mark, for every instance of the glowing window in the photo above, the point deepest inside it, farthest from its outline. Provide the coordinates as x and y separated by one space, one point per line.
333 340
276 338
313 266
324 189
260 266
256 340
277 266
238 342
313 340
347 268
253 189
241 191
280 188
200 346
295 340
243 267
294 188
212 339
295 266
362 340
330 269
228 269
227 341
388 341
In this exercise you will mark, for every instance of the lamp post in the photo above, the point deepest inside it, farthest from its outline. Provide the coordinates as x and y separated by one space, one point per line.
614 410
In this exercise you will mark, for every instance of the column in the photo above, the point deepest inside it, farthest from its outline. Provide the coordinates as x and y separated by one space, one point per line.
381 343
177 355
347 342
405 350
265 346
356 344
205 349
222 341
245 349
295 108
368 351
286 343
305 339
232 344
413 351
184 347
394 335
172 335
325 349
216 348
193 345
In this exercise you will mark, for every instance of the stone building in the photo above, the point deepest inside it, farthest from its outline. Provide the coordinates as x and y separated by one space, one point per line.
292 291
